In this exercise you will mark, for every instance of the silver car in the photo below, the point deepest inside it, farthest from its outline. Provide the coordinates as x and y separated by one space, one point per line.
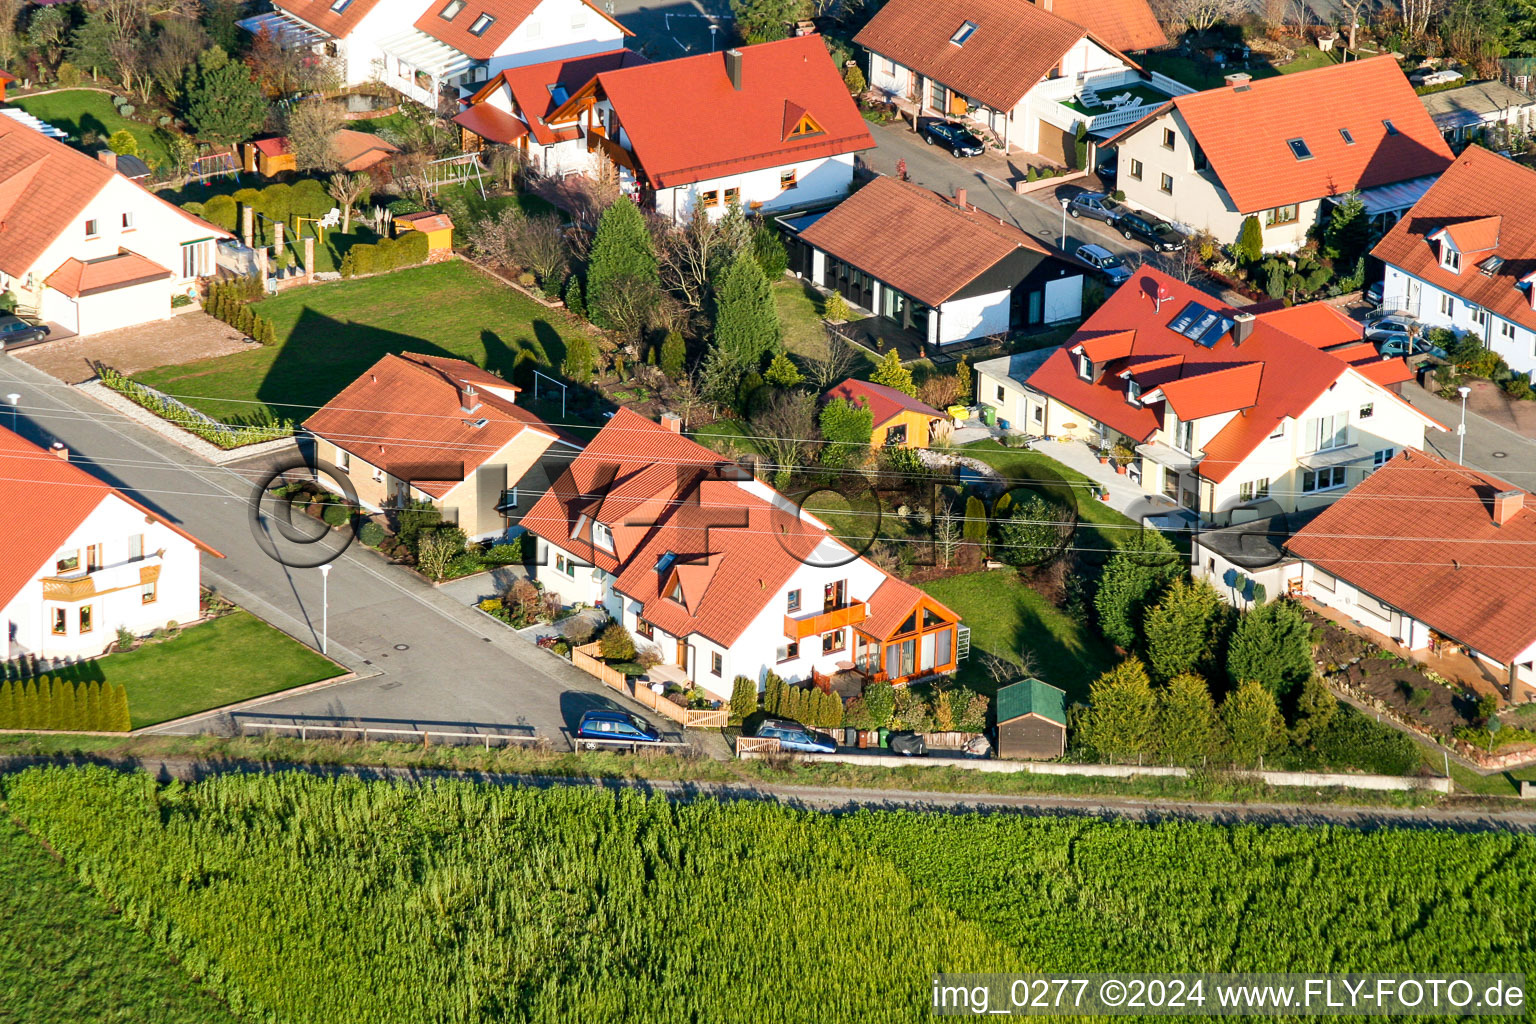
1095 205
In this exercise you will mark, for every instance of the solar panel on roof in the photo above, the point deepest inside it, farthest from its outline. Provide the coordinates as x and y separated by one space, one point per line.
1187 318
1200 325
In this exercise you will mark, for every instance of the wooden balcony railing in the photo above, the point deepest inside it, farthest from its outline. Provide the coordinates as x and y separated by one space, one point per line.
612 150
850 614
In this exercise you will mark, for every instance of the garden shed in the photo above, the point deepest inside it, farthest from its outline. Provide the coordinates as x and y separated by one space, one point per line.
1031 720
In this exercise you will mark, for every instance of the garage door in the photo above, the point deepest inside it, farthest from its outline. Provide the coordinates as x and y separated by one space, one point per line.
1064 299
59 308
124 307
1056 144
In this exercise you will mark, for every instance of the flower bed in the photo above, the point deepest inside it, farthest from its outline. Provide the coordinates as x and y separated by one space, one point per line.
194 422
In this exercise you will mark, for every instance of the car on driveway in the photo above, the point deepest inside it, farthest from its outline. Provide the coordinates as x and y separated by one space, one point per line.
14 331
1398 344
1372 294
1159 234
1108 169
1095 205
956 138
794 736
615 725
1391 323
1111 267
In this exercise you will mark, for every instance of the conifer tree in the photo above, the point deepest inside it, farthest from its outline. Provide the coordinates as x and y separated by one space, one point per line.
1121 721
746 320
621 252
120 720
32 712
1187 726
1253 721
93 706
8 705
69 719
1184 629
963 379
892 374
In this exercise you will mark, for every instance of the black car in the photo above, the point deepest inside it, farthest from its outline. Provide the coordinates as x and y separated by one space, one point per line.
14 330
1108 169
1159 234
1096 205
958 139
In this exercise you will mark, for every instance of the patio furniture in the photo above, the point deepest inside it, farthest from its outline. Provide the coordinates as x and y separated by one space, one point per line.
1090 99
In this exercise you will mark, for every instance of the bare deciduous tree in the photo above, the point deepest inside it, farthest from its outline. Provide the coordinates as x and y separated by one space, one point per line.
1004 670
173 53
1355 11
946 533
1200 15
310 126
539 245
832 364
10 31
347 189
686 255
685 400
1416 14
785 430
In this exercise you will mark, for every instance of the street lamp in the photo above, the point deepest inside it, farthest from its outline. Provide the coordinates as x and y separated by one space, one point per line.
11 400
1461 428
1064 203
325 604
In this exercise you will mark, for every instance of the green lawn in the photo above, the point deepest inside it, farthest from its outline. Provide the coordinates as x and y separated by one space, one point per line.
1007 617
66 956
232 658
329 334
83 112
1200 74
800 307
490 205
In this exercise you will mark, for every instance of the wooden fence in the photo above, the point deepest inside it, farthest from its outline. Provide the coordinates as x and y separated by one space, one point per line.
585 658
757 745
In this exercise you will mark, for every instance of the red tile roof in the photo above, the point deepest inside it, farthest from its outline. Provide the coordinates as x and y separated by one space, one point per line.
1271 375
1127 25
44 186
358 151
1479 186
1246 134
33 479
508 14
883 402
915 240
405 416
427 220
662 495
728 130
1014 46
275 146
1419 534
1475 236
105 273
319 14
533 90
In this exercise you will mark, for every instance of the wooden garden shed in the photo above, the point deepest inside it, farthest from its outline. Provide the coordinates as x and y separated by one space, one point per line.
1031 720
436 226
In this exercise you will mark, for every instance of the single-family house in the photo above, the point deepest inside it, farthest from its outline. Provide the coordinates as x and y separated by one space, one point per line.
84 247
1281 149
1232 415
722 575
427 428
900 421
1461 258
1031 720
83 560
937 267
515 108
458 44
1026 74
344 33
770 126
1432 554
1463 114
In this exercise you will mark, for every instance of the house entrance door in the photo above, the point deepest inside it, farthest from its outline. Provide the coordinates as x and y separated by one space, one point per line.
682 654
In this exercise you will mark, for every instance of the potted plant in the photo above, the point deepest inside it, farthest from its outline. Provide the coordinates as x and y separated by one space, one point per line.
1123 454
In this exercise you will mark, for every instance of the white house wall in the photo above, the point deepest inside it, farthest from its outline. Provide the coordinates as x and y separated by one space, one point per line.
1429 303
816 180
975 317
556 30
1064 299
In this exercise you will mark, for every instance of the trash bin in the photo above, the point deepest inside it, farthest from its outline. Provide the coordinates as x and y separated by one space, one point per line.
850 737
885 738
989 415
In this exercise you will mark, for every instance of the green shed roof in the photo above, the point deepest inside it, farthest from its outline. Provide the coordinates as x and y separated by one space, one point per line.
1031 696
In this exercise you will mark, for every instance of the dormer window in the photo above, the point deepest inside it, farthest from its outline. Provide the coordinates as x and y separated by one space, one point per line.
481 23
602 536
1450 258
805 126
1084 366
964 32
1133 392
676 593
340 5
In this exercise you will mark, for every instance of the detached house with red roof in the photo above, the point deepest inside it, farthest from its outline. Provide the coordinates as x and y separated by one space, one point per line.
1231 414
427 428
343 33
83 560
1281 149
770 126
1028 72
86 248
1465 256
720 573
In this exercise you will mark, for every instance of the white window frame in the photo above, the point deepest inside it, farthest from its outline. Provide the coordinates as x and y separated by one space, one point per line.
1325 433
1336 476
343 460
602 536
1450 257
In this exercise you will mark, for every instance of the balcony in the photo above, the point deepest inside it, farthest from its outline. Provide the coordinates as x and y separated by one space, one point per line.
851 614
612 150
85 586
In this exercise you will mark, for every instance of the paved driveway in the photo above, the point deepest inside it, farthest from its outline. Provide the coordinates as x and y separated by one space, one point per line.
1491 446
422 656
181 339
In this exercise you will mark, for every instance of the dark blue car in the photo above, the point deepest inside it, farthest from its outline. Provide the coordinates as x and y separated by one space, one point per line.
615 725
958 139
794 736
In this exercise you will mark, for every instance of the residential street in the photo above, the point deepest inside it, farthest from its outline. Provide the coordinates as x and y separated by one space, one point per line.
1490 447
422 657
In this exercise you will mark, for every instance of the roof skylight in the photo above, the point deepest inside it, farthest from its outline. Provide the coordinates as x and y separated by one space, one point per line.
964 32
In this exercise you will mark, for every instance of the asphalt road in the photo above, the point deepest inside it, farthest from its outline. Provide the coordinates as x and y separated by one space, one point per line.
1490 447
664 31
422 657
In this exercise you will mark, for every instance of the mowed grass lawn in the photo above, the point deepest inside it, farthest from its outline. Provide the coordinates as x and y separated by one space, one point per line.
84 111
801 307
329 334
232 658
66 956
1007 617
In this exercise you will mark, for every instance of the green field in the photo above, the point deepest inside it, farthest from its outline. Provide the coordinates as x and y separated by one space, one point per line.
82 112
232 658
329 334
304 899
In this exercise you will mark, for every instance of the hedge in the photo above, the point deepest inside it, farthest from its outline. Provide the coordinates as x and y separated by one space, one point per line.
46 703
385 255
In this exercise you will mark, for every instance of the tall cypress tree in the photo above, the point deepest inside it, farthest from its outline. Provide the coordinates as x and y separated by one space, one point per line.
746 321
8 705
31 707
69 718
93 721
620 249
120 720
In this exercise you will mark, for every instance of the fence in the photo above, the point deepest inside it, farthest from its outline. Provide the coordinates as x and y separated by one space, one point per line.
689 718
385 733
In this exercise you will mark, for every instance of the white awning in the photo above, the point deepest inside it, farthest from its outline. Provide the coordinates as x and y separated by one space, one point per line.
1167 455
1334 457
288 32
424 53
1393 198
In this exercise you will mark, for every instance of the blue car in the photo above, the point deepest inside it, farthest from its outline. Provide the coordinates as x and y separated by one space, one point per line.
794 736
959 140
615 725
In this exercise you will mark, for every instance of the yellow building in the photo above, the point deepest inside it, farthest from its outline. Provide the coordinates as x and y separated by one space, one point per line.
437 227
901 421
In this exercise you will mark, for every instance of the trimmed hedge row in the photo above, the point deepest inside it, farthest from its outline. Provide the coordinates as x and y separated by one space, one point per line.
47 703
386 254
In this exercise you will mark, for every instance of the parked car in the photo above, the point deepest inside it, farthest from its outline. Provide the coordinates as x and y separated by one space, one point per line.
15 330
1108 169
1397 344
956 138
1159 234
1390 323
1111 267
794 736
615 725
907 744
1373 295
1096 206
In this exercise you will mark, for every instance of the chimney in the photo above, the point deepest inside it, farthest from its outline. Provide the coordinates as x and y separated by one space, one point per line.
960 198
1505 505
733 67
107 157
672 421
1238 79
1242 326
469 398
59 451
